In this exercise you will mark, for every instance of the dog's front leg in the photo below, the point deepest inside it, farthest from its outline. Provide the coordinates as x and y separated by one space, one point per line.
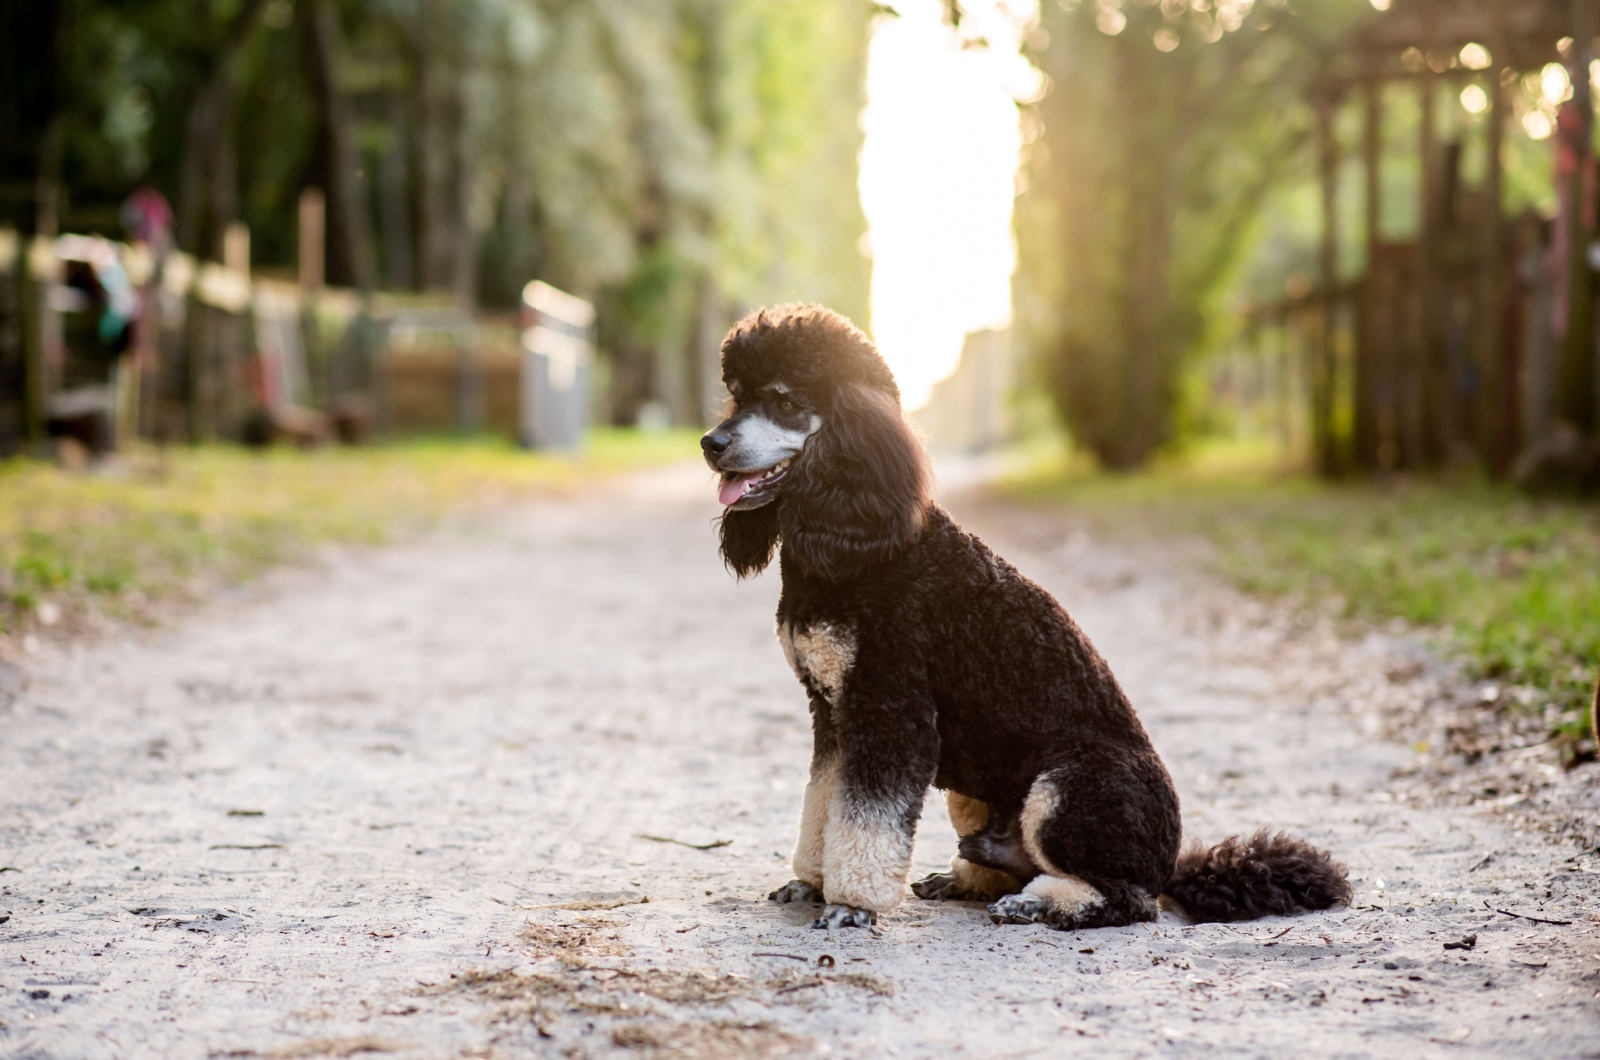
807 885
886 762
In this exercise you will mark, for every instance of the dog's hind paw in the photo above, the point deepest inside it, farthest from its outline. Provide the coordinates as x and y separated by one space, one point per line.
841 916
1022 909
941 886
795 891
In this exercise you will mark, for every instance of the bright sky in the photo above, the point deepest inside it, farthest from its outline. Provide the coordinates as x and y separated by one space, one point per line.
938 176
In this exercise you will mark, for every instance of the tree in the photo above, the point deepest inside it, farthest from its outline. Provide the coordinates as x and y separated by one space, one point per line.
1163 128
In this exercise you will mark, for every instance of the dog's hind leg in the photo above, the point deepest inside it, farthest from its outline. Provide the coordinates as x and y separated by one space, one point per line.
967 880
1069 903
1103 828
1000 847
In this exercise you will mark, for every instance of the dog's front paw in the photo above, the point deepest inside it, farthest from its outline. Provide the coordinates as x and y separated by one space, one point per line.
1021 909
940 886
841 916
795 891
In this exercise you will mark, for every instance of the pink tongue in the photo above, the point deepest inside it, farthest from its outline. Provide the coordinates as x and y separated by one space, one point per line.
733 488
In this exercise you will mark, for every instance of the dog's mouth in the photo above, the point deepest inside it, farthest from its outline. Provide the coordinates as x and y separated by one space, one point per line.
742 486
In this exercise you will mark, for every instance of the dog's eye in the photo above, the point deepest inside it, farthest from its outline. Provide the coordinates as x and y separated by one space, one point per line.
785 405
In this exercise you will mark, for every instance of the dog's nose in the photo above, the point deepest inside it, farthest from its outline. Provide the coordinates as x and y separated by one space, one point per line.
714 443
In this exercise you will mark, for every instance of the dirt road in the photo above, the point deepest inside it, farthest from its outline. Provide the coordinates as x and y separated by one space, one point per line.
342 812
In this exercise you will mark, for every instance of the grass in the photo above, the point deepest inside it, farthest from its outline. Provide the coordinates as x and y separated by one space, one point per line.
151 526
1512 581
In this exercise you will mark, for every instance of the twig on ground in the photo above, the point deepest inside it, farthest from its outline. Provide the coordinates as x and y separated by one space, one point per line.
581 906
1525 916
714 844
785 956
800 986
1279 935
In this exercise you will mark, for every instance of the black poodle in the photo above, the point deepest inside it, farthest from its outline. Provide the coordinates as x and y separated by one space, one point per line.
930 661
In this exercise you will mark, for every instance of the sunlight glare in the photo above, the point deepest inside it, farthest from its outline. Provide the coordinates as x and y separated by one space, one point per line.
1555 84
938 179
1475 56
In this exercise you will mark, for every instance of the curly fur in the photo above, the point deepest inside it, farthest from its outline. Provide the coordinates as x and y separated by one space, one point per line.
749 539
1268 874
960 673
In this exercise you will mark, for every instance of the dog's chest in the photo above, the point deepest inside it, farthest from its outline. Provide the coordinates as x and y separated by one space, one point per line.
820 655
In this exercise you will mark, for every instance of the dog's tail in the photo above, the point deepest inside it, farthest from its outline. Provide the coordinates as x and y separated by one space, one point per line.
1265 875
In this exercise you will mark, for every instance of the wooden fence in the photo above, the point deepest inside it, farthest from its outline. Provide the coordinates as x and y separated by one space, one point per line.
1391 373
216 353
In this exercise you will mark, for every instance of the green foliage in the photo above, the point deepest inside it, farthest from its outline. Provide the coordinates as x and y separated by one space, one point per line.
1513 582
116 543
675 161
1164 128
788 111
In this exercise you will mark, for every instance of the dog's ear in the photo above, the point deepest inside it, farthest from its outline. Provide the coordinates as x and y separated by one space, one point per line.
859 491
748 539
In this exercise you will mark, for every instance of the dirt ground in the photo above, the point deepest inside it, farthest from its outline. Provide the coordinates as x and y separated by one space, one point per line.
433 801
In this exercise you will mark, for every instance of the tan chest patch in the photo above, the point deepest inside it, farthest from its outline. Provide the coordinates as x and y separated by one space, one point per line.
823 653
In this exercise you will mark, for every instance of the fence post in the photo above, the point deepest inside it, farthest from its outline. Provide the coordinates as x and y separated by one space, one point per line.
32 256
313 255
469 379
1364 372
1323 376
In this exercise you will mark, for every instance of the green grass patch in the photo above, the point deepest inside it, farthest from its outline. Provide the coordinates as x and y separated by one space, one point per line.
145 528
1512 580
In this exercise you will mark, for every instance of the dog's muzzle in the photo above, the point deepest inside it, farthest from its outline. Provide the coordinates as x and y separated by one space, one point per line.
740 488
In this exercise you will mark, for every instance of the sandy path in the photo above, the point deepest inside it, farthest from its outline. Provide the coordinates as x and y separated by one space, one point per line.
323 818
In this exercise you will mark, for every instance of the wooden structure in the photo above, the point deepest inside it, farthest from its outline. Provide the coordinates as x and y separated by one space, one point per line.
221 354
1471 339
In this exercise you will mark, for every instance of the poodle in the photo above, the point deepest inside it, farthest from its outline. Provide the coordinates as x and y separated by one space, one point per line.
929 660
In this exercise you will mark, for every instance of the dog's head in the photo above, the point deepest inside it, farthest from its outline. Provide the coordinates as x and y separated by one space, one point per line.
815 451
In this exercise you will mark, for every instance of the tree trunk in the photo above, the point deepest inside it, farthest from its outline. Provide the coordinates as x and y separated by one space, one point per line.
435 148
393 213
202 201
32 134
465 244
349 226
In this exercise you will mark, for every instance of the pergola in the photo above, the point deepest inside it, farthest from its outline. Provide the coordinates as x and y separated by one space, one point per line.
1428 310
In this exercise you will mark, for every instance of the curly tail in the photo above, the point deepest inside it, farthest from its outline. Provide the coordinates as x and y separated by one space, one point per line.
1265 875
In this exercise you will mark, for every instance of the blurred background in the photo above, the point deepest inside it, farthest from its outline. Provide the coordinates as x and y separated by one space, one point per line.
1361 230
1274 243
1358 229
